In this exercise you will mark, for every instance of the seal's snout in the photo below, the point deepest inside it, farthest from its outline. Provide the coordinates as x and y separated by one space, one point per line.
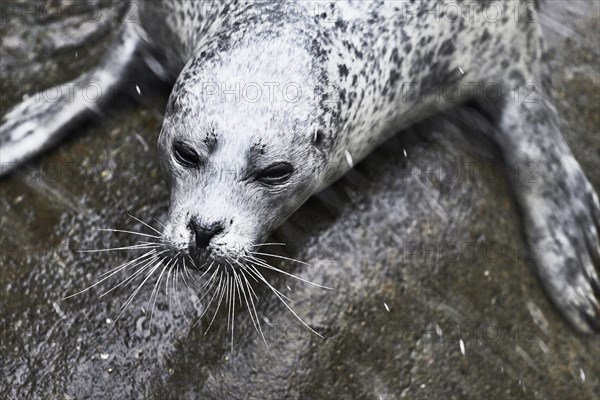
203 232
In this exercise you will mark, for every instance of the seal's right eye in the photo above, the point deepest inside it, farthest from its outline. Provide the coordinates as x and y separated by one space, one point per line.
276 174
185 155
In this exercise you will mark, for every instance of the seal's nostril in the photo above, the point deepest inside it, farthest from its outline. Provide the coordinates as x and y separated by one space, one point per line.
205 232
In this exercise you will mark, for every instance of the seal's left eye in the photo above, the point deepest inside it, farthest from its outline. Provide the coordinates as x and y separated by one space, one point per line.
185 155
276 174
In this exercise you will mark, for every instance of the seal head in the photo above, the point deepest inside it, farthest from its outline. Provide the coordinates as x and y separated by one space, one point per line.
241 147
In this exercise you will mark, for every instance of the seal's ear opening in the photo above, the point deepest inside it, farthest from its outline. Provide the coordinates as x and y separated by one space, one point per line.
318 137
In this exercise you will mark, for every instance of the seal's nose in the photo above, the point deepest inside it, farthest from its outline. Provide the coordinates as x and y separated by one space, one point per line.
205 232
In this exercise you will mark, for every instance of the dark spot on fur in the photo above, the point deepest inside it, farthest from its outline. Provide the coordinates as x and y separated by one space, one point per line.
447 48
394 76
485 37
394 56
341 24
343 70
517 76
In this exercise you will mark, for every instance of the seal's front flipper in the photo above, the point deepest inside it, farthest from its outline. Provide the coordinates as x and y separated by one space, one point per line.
43 119
561 209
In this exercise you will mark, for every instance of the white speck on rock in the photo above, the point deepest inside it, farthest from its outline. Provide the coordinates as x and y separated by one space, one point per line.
462 346
438 330
582 375
386 307
60 312
543 346
142 141
104 356
349 159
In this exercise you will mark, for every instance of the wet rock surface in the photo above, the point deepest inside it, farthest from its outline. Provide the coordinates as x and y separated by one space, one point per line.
434 295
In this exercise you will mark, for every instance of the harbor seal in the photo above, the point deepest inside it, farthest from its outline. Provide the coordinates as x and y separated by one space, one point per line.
273 101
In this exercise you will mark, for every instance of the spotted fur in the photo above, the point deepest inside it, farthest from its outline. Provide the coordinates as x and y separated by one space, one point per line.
364 70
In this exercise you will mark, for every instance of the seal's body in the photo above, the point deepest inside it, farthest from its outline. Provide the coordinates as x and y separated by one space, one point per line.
273 101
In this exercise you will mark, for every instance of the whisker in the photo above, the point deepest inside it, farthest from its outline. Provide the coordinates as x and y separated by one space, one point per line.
276 292
262 278
231 309
222 288
142 222
268 266
216 292
168 293
249 273
252 289
281 257
248 298
267 244
133 247
243 292
243 267
129 232
126 264
205 272
186 271
132 277
135 292
189 273
192 260
160 223
112 272
254 308
235 275
155 289
234 290
172 271
254 276
210 282
177 294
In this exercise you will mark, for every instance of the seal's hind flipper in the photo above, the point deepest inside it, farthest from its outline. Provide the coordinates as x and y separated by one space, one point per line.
43 119
561 209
